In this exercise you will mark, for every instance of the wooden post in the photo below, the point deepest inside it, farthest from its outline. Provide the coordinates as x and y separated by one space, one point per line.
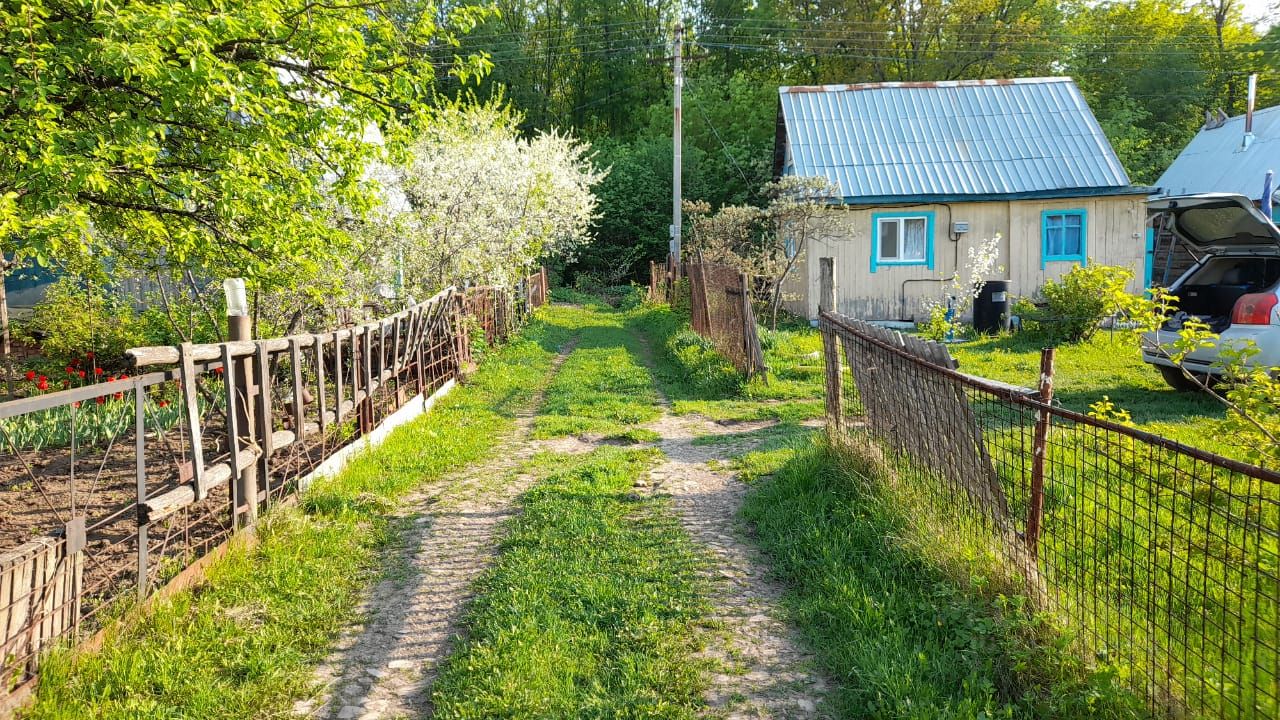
831 345
1035 508
239 373
140 475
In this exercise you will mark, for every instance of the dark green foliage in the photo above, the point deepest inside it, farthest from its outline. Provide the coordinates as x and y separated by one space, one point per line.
76 321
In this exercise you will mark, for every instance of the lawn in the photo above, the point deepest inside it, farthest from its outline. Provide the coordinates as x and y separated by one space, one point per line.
1108 366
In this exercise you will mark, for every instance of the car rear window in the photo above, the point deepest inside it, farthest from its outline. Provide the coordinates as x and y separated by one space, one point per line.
1207 224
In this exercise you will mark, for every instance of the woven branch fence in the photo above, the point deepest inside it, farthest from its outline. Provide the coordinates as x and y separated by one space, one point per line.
122 488
1158 557
719 309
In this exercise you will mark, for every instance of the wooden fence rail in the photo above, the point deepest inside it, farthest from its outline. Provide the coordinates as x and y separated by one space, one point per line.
255 418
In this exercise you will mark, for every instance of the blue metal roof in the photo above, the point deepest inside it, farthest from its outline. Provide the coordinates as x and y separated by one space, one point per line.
967 138
1216 161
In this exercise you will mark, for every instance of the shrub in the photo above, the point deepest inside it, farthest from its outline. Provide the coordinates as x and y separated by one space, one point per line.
75 321
1083 298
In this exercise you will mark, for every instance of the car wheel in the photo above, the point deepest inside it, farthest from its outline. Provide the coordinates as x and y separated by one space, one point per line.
1178 380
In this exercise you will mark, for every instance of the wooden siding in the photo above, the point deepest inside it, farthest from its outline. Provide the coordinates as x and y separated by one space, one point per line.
1115 229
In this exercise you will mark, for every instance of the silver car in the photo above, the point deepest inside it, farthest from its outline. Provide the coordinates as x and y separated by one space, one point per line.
1234 288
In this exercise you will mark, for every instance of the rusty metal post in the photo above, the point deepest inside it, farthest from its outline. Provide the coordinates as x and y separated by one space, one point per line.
1035 506
831 345
240 328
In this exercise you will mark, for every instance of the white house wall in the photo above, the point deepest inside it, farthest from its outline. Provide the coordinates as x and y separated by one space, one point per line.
1114 235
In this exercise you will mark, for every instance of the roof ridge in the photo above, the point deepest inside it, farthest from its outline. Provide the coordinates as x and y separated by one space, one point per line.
925 84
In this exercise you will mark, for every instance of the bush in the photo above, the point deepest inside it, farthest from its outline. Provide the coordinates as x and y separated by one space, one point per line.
74 321
1076 305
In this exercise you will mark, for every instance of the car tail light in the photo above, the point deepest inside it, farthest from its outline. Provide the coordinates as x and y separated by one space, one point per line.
1254 309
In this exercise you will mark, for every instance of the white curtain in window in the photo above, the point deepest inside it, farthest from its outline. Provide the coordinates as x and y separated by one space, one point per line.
915 239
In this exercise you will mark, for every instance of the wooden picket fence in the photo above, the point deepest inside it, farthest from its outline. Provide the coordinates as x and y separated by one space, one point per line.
258 418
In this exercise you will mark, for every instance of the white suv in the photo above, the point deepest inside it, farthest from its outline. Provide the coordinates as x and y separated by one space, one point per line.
1235 286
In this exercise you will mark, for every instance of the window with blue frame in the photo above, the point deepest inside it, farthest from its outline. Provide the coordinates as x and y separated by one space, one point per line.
1063 235
901 239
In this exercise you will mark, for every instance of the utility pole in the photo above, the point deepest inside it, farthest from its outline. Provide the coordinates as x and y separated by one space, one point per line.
676 142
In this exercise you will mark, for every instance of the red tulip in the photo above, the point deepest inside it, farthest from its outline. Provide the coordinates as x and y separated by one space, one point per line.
99 399
42 385
89 355
75 404
44 379
31 374
123 377
218 370
97 371
70 370
81 374
162 403
119 396
110 379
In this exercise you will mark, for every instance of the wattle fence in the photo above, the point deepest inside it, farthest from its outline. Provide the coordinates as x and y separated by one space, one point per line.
719 309
125 486
1159 558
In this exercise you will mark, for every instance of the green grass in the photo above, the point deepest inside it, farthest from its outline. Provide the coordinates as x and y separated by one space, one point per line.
243 643
1106 365
699 380
590 609
602 389
910 615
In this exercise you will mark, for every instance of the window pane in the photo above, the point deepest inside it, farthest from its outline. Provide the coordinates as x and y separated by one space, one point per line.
915 238
1071 240
888 239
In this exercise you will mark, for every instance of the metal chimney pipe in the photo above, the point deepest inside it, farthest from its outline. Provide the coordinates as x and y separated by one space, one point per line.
1253 96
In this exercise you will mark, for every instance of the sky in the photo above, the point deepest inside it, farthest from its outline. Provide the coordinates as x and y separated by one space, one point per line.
1263 12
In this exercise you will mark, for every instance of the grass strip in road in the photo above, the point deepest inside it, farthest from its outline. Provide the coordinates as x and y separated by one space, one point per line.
602 389
911 620
242 645
590 609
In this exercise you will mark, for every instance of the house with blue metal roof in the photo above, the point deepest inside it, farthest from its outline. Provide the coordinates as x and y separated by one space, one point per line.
926 170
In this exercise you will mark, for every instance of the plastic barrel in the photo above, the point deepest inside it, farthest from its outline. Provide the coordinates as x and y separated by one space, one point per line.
991 308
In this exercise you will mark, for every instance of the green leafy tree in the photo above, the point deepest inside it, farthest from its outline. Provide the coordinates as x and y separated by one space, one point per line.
210 137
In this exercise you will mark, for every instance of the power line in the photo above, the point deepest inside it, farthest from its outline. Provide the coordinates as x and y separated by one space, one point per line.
723 146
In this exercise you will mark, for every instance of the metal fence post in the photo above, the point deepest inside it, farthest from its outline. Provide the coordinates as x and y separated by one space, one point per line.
831 344
1035 509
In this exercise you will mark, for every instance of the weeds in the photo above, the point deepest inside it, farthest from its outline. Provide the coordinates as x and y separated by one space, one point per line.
909 616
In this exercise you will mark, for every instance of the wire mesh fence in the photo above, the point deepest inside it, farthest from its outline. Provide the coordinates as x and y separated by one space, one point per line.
112 489
720 310
1159 558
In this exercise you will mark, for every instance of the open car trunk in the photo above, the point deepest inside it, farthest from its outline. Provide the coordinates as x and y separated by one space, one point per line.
1210 292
